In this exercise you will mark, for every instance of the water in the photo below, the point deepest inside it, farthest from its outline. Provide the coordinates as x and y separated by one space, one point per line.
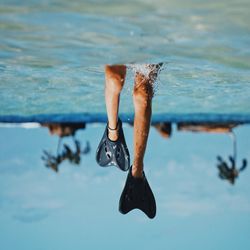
52 54
78 206
52 57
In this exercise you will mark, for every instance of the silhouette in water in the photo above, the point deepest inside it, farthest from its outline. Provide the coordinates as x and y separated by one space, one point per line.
226 171
165 128
74 156
229 171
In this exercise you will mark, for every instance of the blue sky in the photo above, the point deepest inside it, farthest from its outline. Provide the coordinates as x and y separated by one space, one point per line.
78 208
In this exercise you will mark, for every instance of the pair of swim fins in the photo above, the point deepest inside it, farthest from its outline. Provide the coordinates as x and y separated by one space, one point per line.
137 192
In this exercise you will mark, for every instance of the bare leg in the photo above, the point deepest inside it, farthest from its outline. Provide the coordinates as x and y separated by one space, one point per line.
143 93
115 78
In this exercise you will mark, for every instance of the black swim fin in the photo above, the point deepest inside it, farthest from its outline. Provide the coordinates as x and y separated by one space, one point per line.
137 194
113 153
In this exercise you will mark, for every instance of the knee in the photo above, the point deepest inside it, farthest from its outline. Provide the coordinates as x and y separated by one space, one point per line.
143 95
115 77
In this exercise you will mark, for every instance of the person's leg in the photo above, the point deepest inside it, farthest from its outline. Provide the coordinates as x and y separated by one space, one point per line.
115 78
142 97
112 149
137 192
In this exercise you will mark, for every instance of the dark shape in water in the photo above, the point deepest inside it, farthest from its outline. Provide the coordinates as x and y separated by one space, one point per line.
164 129
230 173
64 129
74 157
137 194
227 172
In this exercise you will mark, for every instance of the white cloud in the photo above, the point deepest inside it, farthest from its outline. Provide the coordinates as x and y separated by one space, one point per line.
182 206
187 190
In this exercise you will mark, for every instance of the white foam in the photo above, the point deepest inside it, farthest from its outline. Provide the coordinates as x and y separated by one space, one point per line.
27 125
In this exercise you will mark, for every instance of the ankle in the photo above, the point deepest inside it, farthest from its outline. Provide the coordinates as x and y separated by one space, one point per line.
137 171
113 135
113 132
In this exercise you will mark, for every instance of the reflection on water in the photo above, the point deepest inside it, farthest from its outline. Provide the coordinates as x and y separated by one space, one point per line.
181 171
230 172
66 153
226 171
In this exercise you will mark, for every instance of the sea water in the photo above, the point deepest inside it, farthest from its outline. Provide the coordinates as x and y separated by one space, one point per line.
77 208
52 54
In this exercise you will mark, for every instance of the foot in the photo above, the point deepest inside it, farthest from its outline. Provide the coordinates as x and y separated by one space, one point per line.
137 194
113 152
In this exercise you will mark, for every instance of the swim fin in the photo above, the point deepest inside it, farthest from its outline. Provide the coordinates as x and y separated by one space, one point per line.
137 194
113 153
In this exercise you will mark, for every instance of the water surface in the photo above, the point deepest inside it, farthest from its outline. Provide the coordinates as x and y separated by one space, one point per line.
78 206
52 54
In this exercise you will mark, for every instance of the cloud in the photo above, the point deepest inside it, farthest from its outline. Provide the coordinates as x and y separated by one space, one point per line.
30 209
27 197
182 206
34 210
31 215
195 189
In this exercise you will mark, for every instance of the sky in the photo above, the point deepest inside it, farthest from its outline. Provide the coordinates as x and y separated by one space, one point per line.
77 208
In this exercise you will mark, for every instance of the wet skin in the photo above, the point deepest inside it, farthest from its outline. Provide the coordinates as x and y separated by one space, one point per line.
142 99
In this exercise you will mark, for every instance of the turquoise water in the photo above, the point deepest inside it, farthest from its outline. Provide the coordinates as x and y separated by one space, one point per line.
52 54
77 208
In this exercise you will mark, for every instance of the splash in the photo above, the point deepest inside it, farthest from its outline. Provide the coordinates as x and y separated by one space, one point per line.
149 71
